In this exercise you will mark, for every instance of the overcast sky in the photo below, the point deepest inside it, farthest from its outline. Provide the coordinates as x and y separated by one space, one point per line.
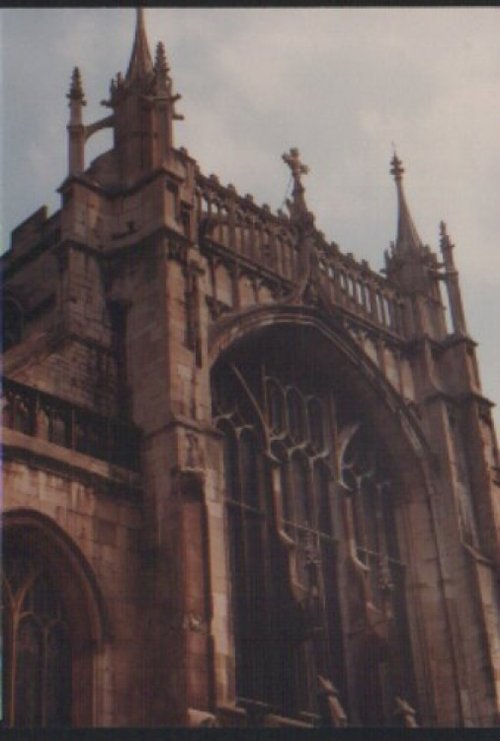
341 84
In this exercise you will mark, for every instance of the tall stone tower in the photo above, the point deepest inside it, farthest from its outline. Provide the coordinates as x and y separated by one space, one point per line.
248 481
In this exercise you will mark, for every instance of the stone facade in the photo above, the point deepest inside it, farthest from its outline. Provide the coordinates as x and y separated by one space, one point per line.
153 326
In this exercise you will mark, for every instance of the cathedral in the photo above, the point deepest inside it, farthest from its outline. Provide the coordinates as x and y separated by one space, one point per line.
247 480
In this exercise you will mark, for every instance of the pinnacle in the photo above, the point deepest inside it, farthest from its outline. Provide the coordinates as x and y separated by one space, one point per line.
76 89
297 206
408 239
140 65
161 65
397 168
445 241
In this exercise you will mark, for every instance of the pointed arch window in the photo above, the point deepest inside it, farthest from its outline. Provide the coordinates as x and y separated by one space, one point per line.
37 671
317 581
53 623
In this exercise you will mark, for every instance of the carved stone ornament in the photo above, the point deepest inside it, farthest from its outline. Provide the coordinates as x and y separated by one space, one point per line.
195 623
407 714
194 458
332 710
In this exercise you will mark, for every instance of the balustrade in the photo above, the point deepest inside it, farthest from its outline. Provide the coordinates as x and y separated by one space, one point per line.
42 415
268 240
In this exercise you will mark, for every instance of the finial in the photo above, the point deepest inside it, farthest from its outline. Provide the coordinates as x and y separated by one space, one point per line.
76 89
292 159
397 168
297 205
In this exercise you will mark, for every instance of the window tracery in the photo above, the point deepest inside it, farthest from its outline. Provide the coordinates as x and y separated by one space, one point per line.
287 477
37 664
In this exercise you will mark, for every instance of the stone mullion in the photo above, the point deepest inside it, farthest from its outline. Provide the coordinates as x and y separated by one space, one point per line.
373 304
235 284
283 248
341 287
231 216
337 290
245 519
356 502
259 256
363 290
360 293
323 657
252 251
291 258
354 298
399 315
382 312
391 319
384 567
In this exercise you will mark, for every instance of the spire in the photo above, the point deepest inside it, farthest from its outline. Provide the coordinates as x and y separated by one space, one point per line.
140 65
76 129
407 239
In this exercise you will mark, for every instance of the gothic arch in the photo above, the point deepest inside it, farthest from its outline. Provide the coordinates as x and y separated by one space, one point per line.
34 542
251 335
362 374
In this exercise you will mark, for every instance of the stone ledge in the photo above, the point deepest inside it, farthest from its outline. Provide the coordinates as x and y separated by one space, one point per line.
42 454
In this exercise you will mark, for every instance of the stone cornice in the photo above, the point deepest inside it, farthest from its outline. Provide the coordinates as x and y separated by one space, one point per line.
104 477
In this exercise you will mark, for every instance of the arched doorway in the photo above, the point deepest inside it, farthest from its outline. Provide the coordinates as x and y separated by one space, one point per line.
52 625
